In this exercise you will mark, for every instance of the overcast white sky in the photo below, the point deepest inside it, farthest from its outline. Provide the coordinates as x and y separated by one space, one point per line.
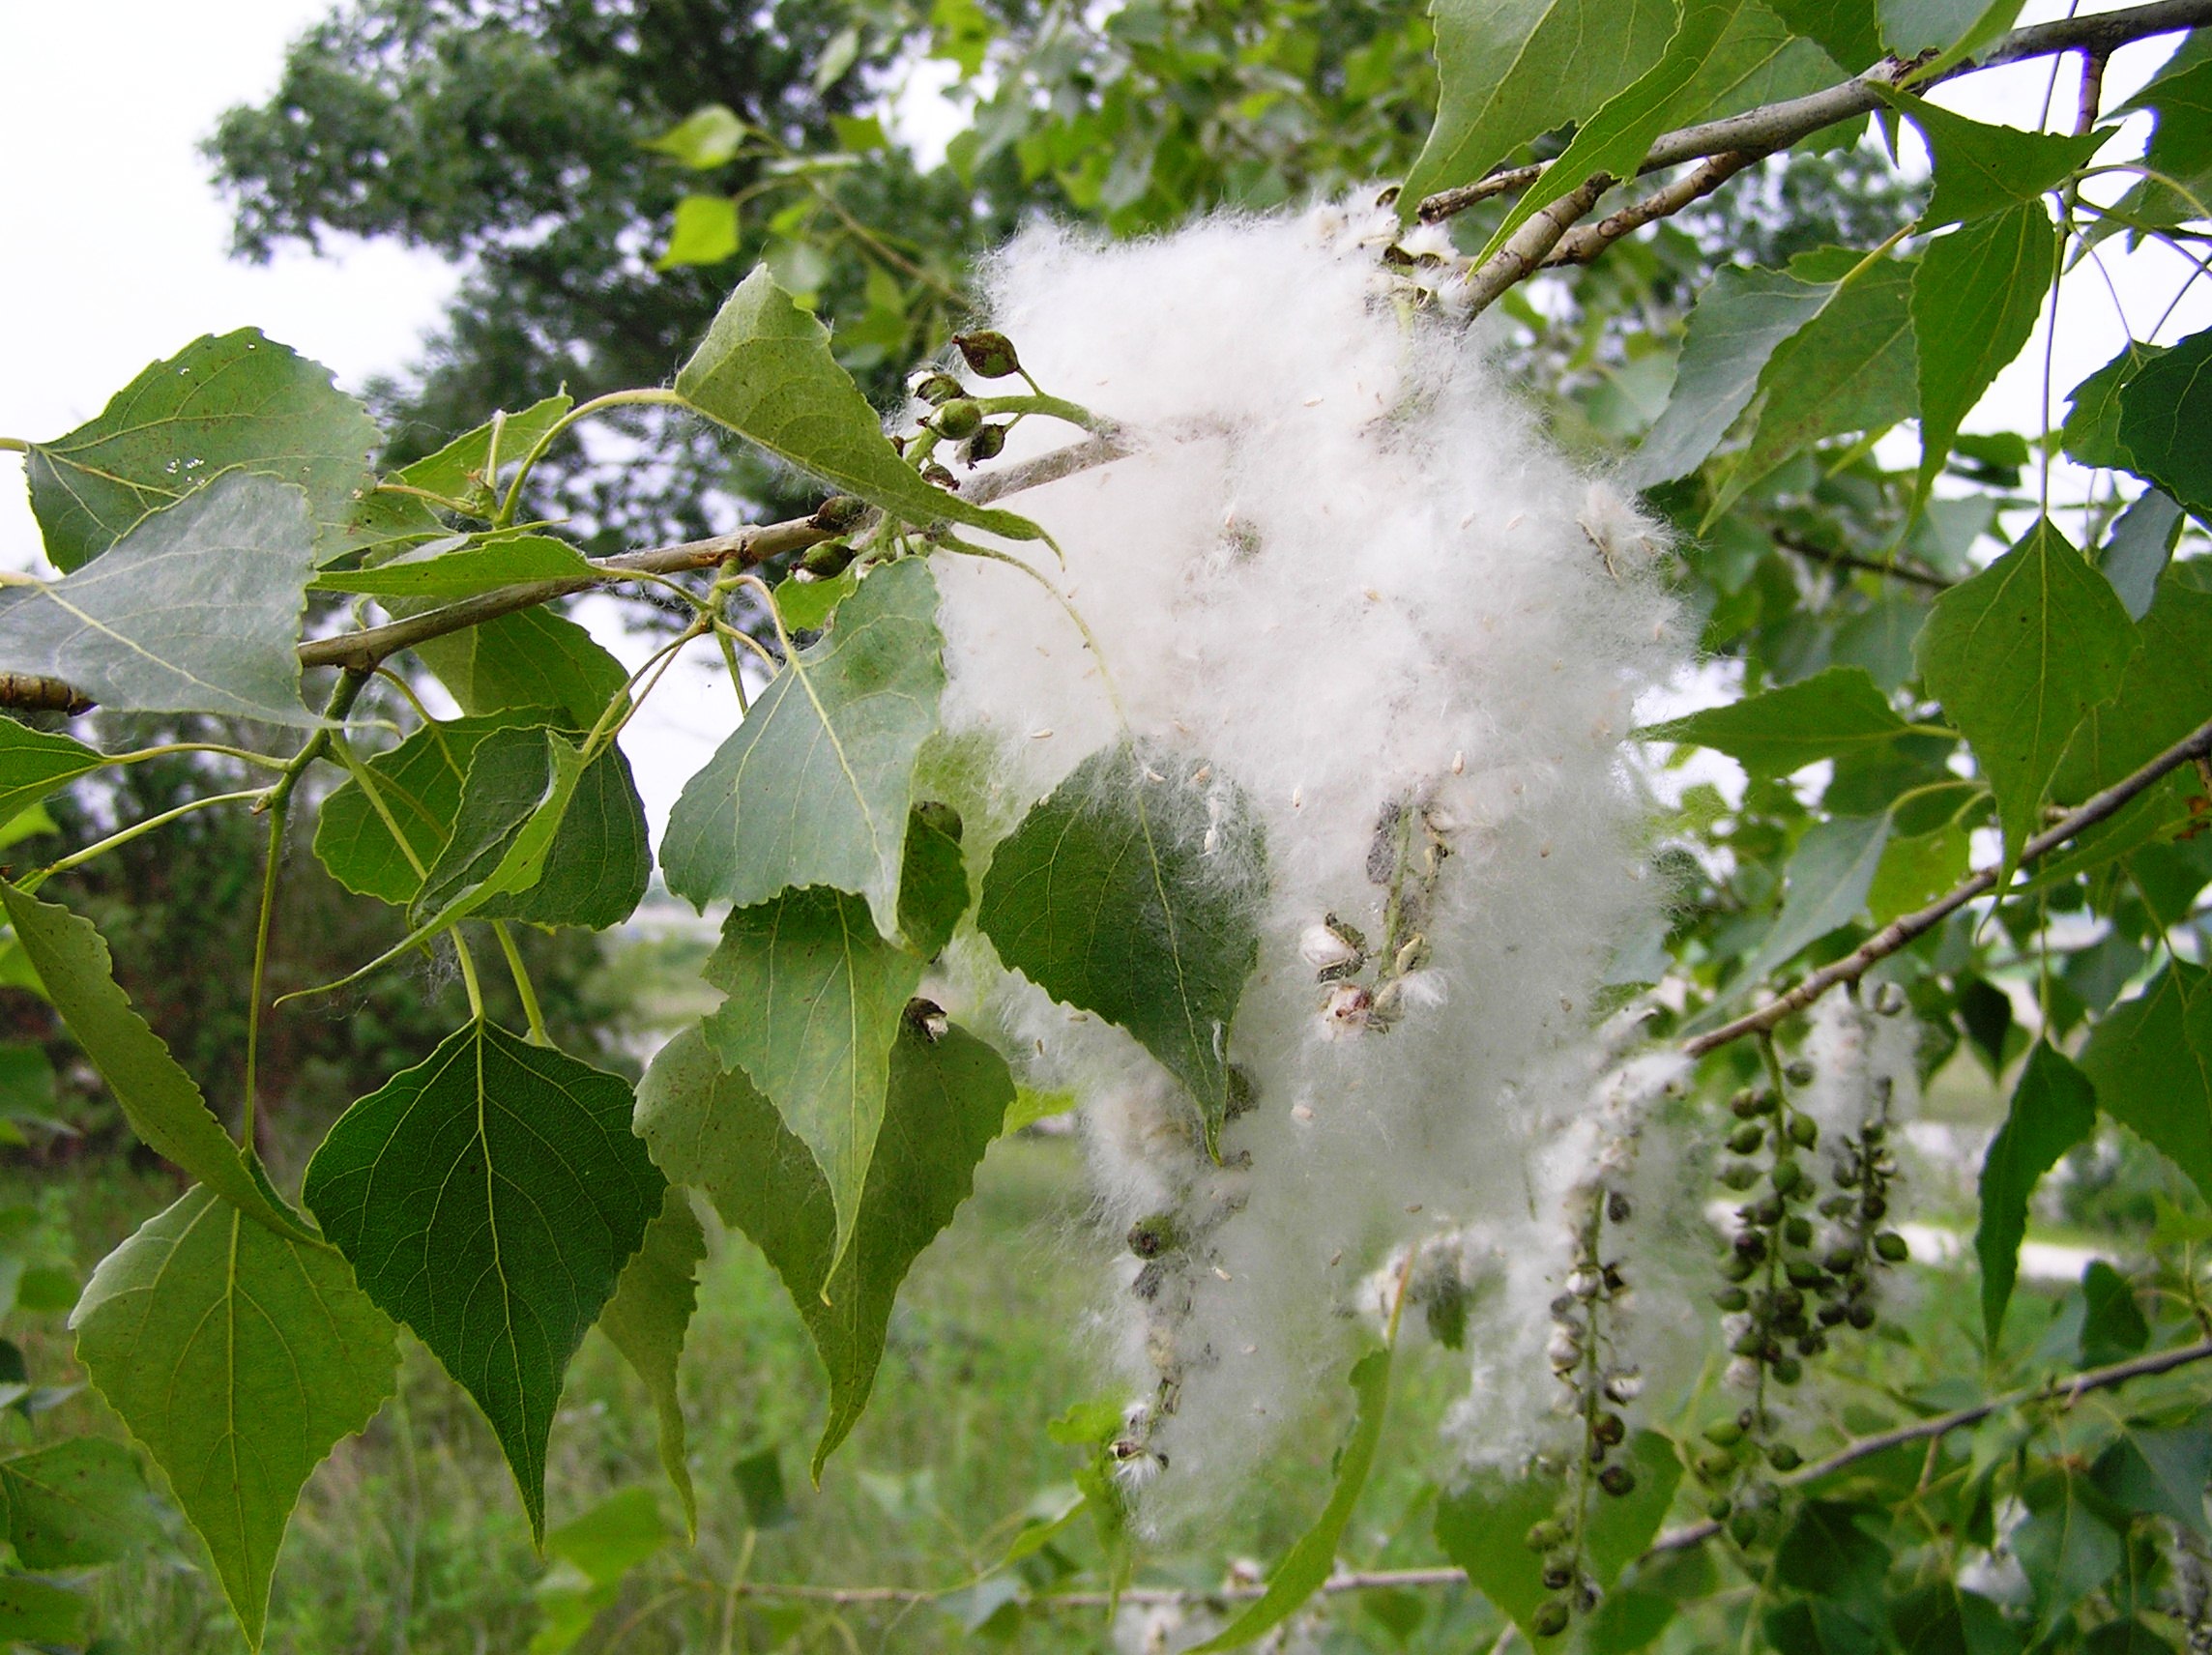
116 256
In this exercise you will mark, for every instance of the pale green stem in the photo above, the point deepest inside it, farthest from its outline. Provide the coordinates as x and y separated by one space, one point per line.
468 980
1052 407
523 987
596 405
267 760
118 839
13 446
279 812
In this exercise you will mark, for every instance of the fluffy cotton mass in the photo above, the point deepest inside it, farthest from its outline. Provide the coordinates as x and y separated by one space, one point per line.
1343 571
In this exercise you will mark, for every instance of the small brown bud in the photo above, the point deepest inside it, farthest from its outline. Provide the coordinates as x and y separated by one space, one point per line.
987 443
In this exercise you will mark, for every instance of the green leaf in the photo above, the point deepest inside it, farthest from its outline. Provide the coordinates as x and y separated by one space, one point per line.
489 1198
39 1612
1309 1562
708 138
592 1554
159 1099
2151 1060
463 571
2019 655
2112 1325
705 232
1982 170
2160 1473
1614 140
765 371
1850 369
1510 70
2180 96
2092 433
1832 714
2053 1108
238 1357
1952 29
1847 30
539 836
816 1000
235 400
34 766
1482 1527
197 610
1830 874
1941 1619
1829 1553
2138 548
76 1503
1916 870
2065 1547
1975 298
530 658
419 783
1134 891
1622 1527
647 1319
812 787
1740 319
465 470
708 1126
2163 410
806 605
759 1477
933 882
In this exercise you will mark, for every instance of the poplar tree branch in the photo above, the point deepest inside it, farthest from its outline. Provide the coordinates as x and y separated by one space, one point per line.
1904 929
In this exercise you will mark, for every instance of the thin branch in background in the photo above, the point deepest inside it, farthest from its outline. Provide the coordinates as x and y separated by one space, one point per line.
1909 572
1902 930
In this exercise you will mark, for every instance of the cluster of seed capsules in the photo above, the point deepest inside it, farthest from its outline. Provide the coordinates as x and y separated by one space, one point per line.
1597 1387
1790 1282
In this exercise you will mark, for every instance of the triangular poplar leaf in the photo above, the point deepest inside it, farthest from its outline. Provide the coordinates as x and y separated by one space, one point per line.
1941 31
1981 169
464 570
2163 410
419 783
2019 655
2138 547
162 1104
2160 1473
196 610
460 471
35 764
813 787
239 400
2092 433
766 371
1975 298
1835 713
1848 31
238 1358
1849 368
1830 876
76 1503
489 1198
709 1127
1482 1525
530 658
816 998
1313 1559
2066 1547
1509 73
2150 1058
1739 321
2053 1108
647 1319
539 835
1133 891
1614 140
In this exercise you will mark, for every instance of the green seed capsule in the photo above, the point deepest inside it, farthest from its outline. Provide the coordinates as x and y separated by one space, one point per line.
1739 1175
1860 1315
1732 1298
1727 1432
838 513
1797 1231
1746 1139
1798 1073
1547 1534
1788 1176
988 353
828 561
1889 1246
987 443
1804 1131
1787 1370
1784 1458
1617 1480
935 389
1715 1466
1743 1528
1150 1238
959 418
1557 1576
1738 1268
1550 1617
1609 1428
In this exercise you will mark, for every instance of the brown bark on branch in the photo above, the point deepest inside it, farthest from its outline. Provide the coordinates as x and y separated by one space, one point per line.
1904 929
